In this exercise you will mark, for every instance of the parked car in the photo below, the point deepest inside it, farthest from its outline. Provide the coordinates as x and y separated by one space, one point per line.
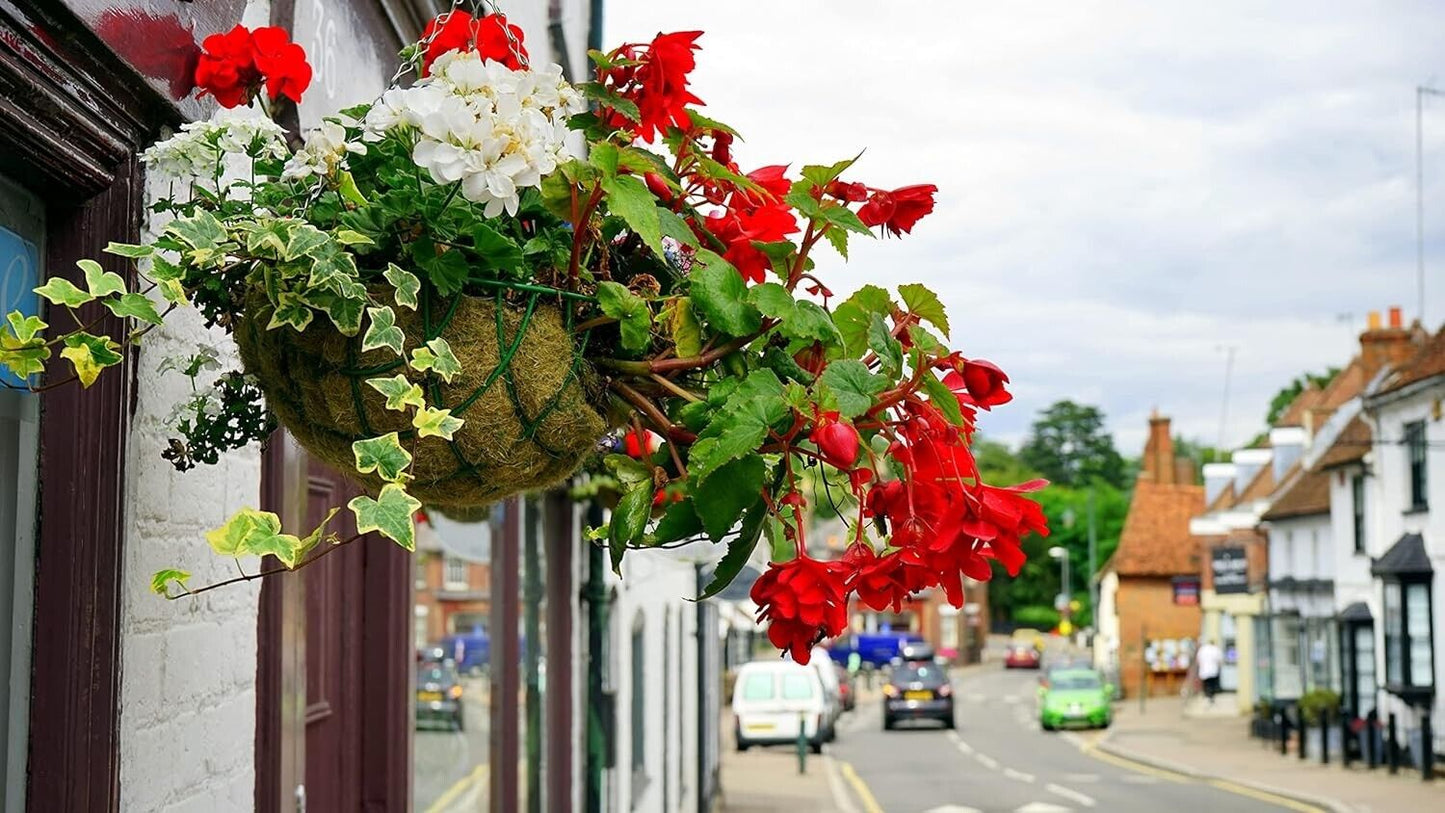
832 691
439 694
1021 655
918 691
773 700
1075 697
846 689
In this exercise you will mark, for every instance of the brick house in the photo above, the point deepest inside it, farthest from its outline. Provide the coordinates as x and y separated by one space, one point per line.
453 582
1149 588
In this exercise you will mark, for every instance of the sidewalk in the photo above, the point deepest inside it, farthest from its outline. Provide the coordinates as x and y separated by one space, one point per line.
1216 748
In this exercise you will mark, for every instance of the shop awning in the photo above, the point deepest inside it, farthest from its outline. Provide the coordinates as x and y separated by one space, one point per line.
1407 557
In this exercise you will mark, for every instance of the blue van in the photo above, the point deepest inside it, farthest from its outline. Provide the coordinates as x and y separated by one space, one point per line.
470 650
878 649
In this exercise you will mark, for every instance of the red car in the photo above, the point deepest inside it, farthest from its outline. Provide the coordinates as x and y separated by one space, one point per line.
1021 656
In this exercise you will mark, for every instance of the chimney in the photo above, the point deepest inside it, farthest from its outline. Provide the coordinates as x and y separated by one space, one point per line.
1158 463
1382 346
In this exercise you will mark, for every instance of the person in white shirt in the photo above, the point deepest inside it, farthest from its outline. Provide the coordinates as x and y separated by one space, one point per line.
1208 661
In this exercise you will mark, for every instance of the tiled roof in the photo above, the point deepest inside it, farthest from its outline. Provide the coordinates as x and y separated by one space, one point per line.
1309 494
1294 414
1155 540
1352 445
1428 362
1347 384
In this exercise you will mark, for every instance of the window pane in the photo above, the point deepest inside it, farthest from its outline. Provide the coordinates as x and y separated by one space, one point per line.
1417 625
1365 668
1394 630
797 687
1357 497
758 687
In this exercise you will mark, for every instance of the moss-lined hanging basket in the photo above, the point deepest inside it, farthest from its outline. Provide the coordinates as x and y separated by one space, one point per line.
522 391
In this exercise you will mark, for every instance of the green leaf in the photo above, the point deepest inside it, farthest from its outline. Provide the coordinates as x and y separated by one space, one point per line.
314 538
135 306
291 309
629 522
889 349
304 239
740 426
782 549
331 265
400 392
201 231
23 328
822 176
406 284
675 227
285 547
604 156
629 471
90 354
269 239
685 328
436 356
810 322
941 397
836 214
497 251
163 579
679 521
131 250
740 550
383 455
629 199
721 296
435 423
348 237
392 514
728 491
853 316
839 240
230 539
925 304
21 350
630 310
853 386
773 300
447 271
61 292
383 331
345 313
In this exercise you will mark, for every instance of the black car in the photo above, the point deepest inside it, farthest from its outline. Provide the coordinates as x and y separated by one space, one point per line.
918 691
439 694
916 652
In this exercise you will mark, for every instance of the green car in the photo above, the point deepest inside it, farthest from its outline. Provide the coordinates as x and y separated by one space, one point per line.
1075 697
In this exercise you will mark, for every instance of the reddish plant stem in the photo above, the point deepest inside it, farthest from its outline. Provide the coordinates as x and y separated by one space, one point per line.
268 572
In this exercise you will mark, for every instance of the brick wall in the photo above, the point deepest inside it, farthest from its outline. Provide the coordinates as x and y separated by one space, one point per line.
1146 606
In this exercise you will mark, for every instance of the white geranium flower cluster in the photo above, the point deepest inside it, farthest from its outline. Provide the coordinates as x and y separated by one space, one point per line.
204 149
495 130
323 151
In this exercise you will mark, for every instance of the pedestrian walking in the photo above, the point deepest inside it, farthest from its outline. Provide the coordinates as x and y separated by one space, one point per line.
1209 660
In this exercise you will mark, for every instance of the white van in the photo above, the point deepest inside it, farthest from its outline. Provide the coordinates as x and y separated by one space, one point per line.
828 674
771 699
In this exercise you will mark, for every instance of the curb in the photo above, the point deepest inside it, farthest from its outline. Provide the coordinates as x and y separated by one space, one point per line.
1104 744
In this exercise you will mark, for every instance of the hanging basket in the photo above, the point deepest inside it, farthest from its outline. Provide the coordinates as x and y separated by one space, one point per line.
523 393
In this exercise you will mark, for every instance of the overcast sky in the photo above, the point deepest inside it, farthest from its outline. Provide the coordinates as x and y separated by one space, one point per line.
1126 188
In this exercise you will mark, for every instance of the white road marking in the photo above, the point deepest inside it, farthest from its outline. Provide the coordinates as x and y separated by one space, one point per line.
952 809
963 747
1018 775
987 761
1041 807
1070 794
952 736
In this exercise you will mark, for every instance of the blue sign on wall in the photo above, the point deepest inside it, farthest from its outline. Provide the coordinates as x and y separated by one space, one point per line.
19 274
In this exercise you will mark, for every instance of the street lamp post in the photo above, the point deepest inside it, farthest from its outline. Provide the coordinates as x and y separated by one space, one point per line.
1060 553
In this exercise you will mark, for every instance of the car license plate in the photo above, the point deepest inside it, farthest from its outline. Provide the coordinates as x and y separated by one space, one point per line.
1076 709
428 697
760 726
918 695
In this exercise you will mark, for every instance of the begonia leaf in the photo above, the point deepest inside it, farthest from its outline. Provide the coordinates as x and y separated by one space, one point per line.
853 385
721 297
633 315
727 492
925 304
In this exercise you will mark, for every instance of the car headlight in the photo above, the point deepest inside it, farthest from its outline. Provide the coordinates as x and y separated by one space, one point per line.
454 692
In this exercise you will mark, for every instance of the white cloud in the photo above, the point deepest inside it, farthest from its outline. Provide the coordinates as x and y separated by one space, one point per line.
1126 187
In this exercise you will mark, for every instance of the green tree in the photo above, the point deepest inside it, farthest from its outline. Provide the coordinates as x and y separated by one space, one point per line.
1069 446
1282 399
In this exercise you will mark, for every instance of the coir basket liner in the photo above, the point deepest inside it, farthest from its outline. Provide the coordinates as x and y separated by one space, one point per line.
522 392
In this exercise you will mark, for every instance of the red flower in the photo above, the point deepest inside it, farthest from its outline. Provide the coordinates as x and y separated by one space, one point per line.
803 602
899 210
487 35
850 192
740 228
282 62
884 581
984 382
837 441
639 444
227 67
772 187
657 84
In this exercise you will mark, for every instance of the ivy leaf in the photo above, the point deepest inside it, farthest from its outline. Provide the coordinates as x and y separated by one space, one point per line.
291 309
392 514
269 239
62 292
436 356
383 455
854 387
383 331
135 306
343 312
941 397
131 250
686 330
400 392
348 237
925 305
889 349
435 423
314 538
629 522
201 231
23 357
406 284
266 542
90 354
629 199
740 550
163 579
633 315
727 492
331 266
305 238
24 328
721 296
230 539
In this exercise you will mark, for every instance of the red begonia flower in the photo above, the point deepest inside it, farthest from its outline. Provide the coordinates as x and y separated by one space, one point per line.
227 67
885 581
803 602
282 62
897 211
772 186
639 444
984 382
837 441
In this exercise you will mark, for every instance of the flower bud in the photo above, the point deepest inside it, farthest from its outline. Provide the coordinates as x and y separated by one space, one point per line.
837 442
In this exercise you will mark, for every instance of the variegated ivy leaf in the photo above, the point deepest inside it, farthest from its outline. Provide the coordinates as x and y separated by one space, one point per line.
436 356
344 312
90 354
400 392
349 237
383 455
435 423
291 309
21 350
135 306
269 239
162 580
383 331
406 284
392 514
304 239
131 250
62 292
255 533
330 264
201 231
23 328
314 538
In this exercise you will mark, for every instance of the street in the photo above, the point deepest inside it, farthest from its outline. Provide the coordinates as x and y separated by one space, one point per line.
999 760
451 765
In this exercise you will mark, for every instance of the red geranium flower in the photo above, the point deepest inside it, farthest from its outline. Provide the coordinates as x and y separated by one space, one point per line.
487 35
227 67
803 602
899 210
282 62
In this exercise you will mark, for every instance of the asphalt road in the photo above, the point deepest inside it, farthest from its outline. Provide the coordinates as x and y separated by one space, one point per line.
446 760
999 760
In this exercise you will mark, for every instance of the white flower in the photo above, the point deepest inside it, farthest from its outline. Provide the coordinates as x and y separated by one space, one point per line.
325 148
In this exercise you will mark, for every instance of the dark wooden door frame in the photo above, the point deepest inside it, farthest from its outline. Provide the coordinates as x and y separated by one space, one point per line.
72 119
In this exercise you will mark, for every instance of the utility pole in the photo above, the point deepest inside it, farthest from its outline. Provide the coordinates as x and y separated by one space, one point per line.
1421 91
